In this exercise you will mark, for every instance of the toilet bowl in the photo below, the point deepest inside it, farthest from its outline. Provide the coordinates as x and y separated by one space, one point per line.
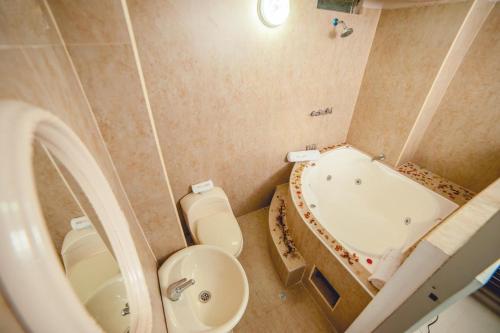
211 220
87 261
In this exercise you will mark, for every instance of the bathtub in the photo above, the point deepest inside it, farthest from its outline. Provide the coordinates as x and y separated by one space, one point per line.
365 206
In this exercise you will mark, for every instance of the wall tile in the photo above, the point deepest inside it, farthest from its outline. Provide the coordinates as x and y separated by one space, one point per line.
8 321
42 75
83 202
57 203
16 76
231 97
90 21
462 143
110 79
25 22
104 60
407 52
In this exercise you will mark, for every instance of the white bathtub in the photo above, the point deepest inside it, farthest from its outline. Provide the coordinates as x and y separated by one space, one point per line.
368 207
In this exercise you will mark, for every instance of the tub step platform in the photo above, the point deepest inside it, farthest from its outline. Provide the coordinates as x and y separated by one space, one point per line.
287 260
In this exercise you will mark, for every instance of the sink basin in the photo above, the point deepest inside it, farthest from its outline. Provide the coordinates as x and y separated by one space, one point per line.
214 271
106 306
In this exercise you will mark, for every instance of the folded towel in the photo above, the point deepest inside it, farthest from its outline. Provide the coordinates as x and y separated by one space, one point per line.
386 267
301 156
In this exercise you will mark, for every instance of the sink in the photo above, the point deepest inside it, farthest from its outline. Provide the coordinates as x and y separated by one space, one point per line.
106 306
217 300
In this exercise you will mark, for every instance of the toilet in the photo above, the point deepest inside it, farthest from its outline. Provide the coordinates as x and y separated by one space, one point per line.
87 262
211 220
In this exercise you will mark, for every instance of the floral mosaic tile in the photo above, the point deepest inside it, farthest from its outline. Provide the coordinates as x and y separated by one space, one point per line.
281 235
456 193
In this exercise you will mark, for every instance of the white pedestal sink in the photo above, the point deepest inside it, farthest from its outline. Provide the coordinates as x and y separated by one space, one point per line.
214 271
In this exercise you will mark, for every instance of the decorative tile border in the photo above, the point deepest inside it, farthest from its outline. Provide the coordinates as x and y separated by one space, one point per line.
282 232
456 193
287 260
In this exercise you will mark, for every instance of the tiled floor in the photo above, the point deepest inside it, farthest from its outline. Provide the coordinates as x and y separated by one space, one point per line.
266 311
466 315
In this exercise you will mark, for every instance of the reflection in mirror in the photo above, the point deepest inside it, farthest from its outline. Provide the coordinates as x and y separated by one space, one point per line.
81 243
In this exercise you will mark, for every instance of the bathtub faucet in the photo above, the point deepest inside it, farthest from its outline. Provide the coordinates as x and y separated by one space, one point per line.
380 157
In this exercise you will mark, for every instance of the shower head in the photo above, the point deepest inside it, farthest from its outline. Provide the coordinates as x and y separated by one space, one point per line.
346 31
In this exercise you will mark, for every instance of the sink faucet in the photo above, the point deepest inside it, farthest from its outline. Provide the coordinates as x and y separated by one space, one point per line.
175 290
125 310
380 157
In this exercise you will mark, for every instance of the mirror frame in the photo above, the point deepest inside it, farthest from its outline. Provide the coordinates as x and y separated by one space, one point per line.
30 271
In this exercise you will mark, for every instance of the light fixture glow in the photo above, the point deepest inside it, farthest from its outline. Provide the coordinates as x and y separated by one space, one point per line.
274 12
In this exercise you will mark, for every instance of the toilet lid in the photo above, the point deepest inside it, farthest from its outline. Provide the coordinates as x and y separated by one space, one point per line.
222 230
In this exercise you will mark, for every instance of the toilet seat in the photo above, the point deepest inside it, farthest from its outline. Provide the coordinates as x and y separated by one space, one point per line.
222 230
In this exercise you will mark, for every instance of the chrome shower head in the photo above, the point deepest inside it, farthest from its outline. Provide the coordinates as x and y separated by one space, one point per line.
346 31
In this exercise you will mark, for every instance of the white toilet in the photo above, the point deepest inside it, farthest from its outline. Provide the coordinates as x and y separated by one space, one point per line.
211 220
95 277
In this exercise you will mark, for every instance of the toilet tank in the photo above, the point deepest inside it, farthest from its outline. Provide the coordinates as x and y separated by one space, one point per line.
198 205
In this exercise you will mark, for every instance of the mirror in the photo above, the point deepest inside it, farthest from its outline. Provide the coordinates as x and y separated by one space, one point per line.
80 242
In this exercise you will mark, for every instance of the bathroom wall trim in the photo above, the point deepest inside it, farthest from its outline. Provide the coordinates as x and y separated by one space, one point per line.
468 31
140 72
94 120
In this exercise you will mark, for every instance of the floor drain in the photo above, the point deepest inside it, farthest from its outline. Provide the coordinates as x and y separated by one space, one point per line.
282 295
357 181
204 296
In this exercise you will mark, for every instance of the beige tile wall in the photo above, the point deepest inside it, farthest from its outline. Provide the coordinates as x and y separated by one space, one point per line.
8 321
409 46
61 198
98 42
231 97
462 143
58 204
35 68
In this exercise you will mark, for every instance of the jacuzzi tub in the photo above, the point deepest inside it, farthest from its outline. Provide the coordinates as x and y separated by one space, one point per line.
366 206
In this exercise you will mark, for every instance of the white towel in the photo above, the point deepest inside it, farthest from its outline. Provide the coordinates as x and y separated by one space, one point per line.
302 156
386 267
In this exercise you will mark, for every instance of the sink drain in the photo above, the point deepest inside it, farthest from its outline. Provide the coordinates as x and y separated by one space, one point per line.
407 220
358 181
204 296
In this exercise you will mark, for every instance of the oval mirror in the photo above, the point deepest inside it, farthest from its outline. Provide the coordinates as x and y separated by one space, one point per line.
66 249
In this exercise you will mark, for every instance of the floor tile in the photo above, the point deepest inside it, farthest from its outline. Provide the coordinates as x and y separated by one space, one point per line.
266 311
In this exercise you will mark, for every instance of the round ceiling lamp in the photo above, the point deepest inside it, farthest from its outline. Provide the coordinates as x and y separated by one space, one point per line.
273 12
